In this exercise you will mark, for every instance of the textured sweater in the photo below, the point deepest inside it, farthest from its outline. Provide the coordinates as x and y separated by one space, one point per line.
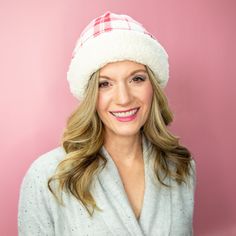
165 211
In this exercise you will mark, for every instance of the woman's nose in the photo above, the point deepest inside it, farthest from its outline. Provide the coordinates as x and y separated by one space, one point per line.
123 94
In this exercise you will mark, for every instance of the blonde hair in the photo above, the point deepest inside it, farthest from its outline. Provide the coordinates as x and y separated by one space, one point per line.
166 146
84 136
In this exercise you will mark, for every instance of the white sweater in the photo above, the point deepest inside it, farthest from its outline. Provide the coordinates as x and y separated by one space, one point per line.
165 211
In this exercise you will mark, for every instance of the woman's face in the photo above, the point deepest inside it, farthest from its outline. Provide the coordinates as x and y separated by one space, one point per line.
124 97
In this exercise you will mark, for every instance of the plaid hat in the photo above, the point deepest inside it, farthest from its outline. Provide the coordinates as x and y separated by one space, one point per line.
110 38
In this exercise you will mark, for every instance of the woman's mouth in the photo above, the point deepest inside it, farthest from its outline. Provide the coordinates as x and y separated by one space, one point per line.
127 115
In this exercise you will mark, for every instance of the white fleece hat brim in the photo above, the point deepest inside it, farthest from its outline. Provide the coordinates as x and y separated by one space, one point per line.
117 45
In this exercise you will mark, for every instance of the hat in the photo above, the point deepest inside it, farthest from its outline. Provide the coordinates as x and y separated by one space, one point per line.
114 37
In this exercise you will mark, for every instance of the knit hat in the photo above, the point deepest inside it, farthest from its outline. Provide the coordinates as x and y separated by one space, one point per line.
109 38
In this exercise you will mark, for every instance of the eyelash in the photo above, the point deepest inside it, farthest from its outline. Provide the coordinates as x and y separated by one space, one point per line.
140 79
100 85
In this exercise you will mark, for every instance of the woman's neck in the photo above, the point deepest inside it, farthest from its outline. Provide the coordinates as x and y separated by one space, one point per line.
124 149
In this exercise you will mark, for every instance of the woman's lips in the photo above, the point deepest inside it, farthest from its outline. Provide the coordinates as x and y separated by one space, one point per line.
125 116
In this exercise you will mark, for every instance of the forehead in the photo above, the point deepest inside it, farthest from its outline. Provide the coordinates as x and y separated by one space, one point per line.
121 68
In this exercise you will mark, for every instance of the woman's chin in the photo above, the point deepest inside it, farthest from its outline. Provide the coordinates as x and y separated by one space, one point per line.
125 132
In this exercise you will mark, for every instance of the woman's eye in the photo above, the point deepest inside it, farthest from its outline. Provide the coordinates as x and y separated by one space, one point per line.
103 84
138 79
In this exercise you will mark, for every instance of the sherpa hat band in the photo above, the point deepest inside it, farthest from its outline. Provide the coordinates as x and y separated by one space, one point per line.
109 38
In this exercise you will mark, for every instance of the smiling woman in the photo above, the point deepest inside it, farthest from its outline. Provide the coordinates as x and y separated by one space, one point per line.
125 96
119 170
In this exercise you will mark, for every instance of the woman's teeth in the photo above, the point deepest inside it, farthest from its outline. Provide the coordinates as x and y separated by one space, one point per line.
124 114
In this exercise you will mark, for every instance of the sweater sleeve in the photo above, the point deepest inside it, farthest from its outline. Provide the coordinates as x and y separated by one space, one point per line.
194 184
34 213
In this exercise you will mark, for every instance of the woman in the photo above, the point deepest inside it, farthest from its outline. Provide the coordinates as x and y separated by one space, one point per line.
119 171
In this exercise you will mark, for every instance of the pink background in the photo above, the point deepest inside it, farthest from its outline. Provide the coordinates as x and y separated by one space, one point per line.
37 39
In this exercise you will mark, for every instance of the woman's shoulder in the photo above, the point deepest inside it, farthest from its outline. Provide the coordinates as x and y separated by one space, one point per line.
193 173
35 209
45 164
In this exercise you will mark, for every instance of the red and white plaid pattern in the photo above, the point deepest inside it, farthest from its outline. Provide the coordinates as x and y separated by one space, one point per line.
108 22
114 37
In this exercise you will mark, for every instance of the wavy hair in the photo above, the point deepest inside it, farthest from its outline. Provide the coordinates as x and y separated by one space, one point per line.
84 136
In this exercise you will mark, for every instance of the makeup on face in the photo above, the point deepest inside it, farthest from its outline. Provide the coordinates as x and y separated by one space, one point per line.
124 97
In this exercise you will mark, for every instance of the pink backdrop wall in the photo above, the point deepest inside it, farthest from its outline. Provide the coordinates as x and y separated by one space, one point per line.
37 39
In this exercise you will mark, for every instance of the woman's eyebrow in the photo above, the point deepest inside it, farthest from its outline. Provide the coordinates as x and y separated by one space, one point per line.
132 73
